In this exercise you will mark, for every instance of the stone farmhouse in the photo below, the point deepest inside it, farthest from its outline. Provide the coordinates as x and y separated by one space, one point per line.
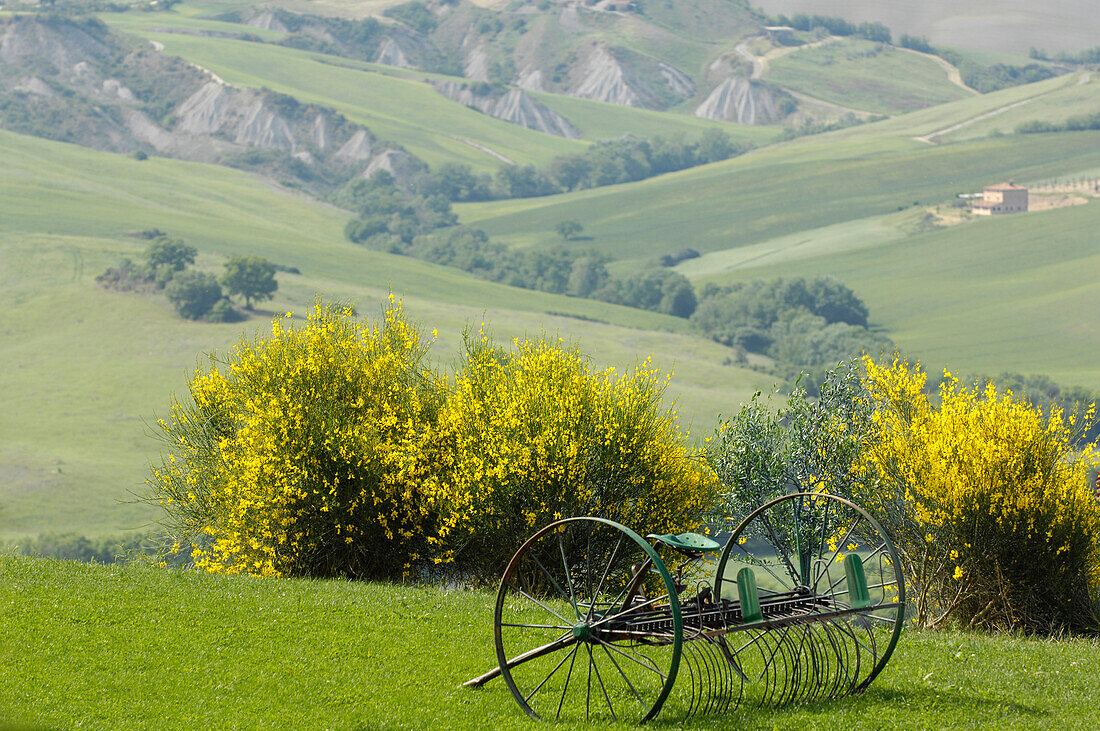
1001 198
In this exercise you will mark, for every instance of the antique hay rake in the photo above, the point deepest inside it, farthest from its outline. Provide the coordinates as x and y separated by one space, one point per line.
592 621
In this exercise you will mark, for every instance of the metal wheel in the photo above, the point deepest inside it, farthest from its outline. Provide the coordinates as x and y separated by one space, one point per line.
587 624
827 629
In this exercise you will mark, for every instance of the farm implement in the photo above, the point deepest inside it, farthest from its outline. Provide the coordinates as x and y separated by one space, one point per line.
805 601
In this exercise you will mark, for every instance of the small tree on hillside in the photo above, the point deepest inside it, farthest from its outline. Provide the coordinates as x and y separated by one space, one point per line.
171 253
569 229
251 277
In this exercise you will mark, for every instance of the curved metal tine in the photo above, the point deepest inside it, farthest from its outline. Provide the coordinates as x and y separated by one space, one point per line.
794 670
565 686
826 658
854 652
836 655
807 666
521 592
737 671
782 673
652 666
822 661
565 656
599 678
687 658
720 671
705 686
714 677
729 659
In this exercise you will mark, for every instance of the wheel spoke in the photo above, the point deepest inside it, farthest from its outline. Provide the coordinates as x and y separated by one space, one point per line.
564 657
568 577
602 687
551 578
625 678
599 587
568 675
652 666
521 592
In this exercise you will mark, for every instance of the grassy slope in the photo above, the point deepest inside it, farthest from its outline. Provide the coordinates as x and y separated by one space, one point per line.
934 119
110 647
781 190
1069 101
396 109
1007 293
1010 25
852 73
84 368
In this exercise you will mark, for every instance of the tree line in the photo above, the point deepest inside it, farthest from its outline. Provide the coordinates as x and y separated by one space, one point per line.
423 226
607 162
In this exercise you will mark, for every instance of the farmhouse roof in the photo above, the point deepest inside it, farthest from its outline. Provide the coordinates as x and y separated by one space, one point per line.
1005 186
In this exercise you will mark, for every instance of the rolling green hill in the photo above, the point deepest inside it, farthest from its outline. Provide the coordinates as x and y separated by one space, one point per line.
865 75
85 370
1010 25
781 190
1008 293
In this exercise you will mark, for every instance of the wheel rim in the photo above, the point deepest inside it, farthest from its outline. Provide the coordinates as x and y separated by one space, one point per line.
570 609
798 543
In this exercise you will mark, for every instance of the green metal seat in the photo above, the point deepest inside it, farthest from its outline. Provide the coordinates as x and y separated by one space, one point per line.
691 543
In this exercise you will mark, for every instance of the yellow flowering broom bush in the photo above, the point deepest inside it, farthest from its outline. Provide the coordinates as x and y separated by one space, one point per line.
536 435
308 452
990 503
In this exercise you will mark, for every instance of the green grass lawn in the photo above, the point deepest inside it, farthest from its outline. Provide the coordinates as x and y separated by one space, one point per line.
865 75
126 647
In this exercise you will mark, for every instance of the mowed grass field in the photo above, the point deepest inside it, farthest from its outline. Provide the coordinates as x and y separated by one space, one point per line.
1007 293
85 371
115 647
1082 97
866 76
781 190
